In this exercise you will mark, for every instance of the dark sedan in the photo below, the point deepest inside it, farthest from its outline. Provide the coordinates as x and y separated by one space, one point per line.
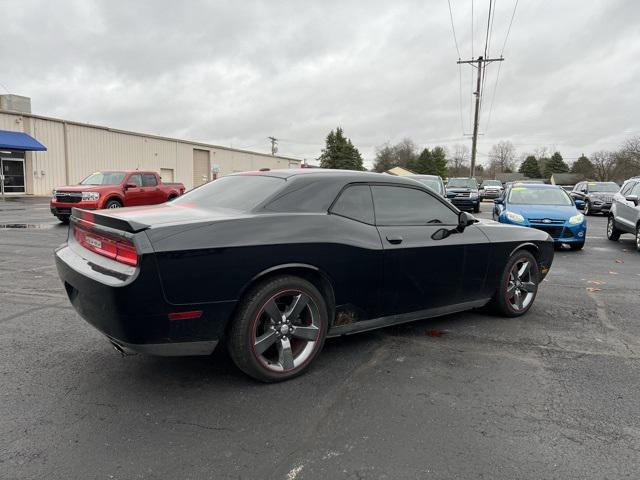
272 263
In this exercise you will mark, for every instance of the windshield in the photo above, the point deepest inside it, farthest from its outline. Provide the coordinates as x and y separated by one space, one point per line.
433 183
237 192
608 187
539 196
104 178
492 183
462 183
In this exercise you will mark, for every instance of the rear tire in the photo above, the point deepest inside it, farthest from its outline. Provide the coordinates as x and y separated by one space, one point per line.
518 285
279 329
613 233
113 204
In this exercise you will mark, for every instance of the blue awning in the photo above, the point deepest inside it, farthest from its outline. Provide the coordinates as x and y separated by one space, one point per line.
19 141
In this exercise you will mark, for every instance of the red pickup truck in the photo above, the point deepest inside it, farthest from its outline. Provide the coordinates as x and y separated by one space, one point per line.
113 189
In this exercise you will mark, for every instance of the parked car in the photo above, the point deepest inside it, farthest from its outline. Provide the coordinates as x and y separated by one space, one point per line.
625 212
434 182
113 189
464 194
597 196
275 262
491 189
544 207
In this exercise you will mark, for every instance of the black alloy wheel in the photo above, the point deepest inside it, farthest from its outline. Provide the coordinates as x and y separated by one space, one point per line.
613 233
279 329
518 285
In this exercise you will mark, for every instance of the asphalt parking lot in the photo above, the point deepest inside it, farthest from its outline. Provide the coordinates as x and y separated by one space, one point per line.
553 394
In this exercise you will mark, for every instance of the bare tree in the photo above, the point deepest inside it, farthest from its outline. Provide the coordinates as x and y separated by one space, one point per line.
502 157
604 165
459 161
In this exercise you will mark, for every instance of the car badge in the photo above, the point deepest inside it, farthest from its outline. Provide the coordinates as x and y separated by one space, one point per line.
546 220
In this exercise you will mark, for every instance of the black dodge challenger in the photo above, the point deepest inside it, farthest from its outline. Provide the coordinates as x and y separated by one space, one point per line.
274 262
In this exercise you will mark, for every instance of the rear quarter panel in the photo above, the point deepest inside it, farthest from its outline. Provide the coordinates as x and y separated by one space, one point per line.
216 261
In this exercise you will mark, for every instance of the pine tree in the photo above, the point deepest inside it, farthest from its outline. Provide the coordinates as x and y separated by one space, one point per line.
439 155
425 164
340 153
555 165
583 166
529 168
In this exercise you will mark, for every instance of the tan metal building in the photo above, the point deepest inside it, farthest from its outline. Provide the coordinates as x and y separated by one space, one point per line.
75 150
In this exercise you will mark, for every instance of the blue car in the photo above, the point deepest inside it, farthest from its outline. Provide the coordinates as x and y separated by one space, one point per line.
545 207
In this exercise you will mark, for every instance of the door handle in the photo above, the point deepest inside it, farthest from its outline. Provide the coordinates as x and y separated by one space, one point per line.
394 239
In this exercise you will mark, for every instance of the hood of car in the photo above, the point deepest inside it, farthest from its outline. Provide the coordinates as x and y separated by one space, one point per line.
552 212
85 188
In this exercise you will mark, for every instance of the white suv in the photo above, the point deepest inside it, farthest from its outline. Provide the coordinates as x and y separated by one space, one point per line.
625 212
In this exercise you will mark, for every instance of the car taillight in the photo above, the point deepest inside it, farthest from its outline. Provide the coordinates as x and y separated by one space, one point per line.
120 250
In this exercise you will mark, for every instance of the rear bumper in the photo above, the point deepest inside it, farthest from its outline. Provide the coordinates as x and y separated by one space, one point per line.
130 309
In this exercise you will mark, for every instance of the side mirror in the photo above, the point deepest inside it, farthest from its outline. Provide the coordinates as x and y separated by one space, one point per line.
464 220
579 203
632 198
498 201
130 185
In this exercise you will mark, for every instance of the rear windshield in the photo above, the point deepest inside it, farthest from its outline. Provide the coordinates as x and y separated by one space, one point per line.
104 178
539 196
237 192
608 187
462 183
433 183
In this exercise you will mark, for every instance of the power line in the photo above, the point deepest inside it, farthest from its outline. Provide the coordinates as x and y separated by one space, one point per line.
495 87
453 29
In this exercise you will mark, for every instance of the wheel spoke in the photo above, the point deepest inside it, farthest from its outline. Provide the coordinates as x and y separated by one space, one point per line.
529 287
285 355
307 333
518 300
523 269
273 311
300 301
264 341
511 289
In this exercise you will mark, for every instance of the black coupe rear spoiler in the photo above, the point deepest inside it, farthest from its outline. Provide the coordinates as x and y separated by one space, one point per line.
106 220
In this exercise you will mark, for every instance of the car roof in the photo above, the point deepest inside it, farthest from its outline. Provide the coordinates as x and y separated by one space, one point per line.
346 176
419 175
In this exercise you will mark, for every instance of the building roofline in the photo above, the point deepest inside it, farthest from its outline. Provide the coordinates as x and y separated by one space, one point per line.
145 135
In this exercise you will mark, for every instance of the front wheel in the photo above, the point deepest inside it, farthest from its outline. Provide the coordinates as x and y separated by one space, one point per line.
113 204
63 218
576 246
613 233
476 208
518 285
279 329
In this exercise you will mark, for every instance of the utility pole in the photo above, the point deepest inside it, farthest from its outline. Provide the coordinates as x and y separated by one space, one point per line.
481 64
274 145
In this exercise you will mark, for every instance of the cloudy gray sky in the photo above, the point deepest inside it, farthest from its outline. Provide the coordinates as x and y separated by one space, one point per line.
233 73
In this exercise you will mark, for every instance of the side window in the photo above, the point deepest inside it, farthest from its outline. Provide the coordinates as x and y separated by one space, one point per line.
627 188
355 202
635 190
136 178
409 206
149 180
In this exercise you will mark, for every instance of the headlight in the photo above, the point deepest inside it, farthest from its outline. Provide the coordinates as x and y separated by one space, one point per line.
576 219
515 217
53 192
90 196
473 195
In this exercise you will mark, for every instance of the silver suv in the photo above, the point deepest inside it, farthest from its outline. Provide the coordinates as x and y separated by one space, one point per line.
625 212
